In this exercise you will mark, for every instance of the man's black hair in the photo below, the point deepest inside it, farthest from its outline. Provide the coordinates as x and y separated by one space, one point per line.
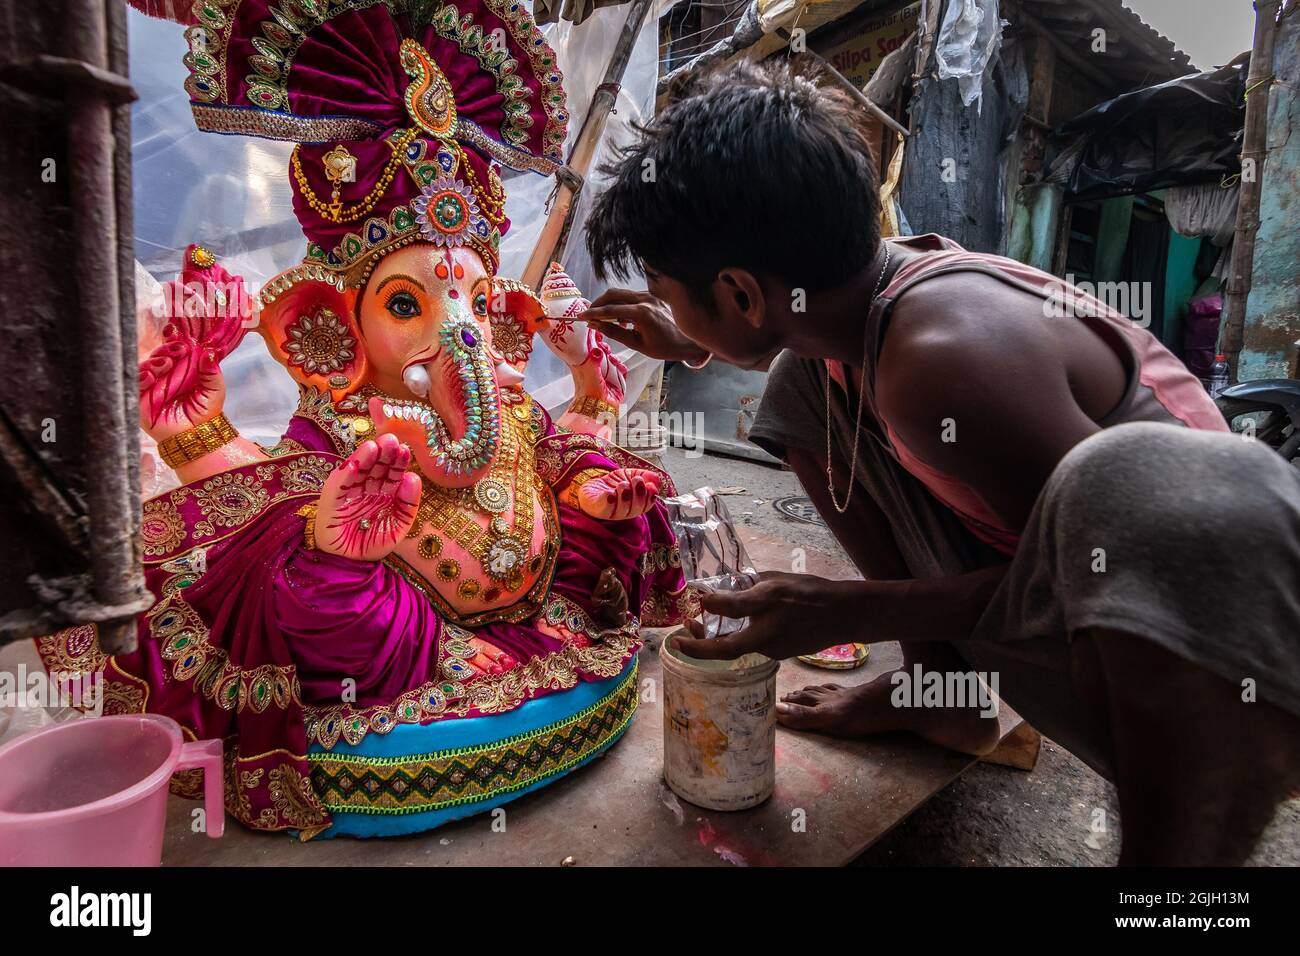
752 167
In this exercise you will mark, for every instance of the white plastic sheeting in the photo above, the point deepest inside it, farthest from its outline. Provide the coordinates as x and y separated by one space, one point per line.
968 37
231 193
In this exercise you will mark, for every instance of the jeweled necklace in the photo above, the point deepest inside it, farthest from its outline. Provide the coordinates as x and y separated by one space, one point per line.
857 428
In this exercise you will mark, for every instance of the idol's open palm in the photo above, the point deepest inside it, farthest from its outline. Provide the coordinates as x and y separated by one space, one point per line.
368 504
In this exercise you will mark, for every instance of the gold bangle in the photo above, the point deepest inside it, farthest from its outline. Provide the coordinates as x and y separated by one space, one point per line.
578 480
593 407
200 440
308 511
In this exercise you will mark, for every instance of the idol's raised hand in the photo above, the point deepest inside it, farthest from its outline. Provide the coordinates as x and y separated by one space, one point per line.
642 322
368 504
207 314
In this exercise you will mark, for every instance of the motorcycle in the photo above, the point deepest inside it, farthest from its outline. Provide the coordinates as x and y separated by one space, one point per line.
1271 408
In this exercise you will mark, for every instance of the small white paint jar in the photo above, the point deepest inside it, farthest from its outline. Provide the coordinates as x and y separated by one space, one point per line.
719 728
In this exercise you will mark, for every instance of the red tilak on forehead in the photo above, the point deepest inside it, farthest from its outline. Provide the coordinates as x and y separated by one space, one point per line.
448 268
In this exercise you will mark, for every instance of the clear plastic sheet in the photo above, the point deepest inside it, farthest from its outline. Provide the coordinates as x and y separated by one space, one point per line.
231 193
968 39
713 556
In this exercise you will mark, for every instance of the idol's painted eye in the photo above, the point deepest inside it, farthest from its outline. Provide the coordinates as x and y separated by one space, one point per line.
403 305
480 304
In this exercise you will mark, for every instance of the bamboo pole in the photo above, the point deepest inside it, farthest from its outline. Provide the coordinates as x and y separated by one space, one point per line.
1253 148
555 231
860 96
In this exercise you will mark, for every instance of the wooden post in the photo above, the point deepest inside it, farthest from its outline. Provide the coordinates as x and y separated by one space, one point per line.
555 231
1253 151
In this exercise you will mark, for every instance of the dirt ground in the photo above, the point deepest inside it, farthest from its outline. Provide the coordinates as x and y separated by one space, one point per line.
1060 814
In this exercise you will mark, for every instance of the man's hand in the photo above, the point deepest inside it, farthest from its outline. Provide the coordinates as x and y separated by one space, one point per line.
642 322
789 614
792 614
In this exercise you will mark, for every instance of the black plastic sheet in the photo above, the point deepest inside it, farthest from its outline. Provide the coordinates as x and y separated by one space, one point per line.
1184 131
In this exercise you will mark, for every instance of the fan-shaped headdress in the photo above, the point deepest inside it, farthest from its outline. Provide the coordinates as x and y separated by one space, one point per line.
402 110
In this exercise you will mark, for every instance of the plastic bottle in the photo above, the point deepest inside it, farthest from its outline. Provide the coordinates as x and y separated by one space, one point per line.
1218 375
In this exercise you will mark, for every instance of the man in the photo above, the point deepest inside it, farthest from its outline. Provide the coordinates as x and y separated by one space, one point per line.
1040 493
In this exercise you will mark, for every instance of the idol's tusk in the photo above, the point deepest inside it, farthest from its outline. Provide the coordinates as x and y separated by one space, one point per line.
416 378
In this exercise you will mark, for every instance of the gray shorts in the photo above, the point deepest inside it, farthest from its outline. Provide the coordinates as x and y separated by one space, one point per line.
1187 538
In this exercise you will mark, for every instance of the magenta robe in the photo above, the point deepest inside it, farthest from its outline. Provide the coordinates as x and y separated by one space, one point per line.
272 646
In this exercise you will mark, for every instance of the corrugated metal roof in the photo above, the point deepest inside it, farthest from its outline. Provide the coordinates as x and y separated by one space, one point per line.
1135 54
1176 55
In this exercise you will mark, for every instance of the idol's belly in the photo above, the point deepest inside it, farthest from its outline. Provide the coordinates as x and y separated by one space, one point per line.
478 562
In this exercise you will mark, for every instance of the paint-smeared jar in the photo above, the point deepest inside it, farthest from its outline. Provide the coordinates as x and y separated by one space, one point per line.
719 728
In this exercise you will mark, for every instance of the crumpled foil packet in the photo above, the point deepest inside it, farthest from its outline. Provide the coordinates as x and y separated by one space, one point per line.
713 556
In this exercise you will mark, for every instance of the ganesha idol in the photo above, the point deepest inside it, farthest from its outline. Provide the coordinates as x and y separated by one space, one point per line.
425 600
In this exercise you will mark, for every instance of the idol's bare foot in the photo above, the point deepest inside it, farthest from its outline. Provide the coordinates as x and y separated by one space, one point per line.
868 709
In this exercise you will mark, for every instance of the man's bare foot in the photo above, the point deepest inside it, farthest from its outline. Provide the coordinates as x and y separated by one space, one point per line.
868 709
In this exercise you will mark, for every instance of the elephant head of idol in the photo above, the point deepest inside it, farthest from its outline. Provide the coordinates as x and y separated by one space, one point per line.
415 341
424 315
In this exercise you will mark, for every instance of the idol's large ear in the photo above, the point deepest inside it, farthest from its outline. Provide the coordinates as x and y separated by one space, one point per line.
310 328
514 314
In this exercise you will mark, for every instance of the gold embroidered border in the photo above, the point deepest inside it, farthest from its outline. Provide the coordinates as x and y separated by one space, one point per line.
488 693
661 557
227 502
347 783
75 651
294 805
270 124
668 608
185 643
558 453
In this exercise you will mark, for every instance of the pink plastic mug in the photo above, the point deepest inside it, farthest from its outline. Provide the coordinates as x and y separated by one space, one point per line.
93 792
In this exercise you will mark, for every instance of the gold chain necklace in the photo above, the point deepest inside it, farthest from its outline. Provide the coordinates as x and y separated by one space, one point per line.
446 511
862 395
333 211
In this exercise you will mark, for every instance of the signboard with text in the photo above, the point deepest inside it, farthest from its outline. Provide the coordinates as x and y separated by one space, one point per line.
859 56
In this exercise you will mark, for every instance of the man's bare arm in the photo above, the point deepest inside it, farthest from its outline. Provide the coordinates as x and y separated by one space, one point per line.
973 380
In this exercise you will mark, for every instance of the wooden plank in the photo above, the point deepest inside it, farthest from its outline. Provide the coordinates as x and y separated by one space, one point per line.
1018 749
618 812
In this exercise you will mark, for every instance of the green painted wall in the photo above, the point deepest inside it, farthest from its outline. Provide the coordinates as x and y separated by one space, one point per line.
1273 308
1180 283
1035 215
